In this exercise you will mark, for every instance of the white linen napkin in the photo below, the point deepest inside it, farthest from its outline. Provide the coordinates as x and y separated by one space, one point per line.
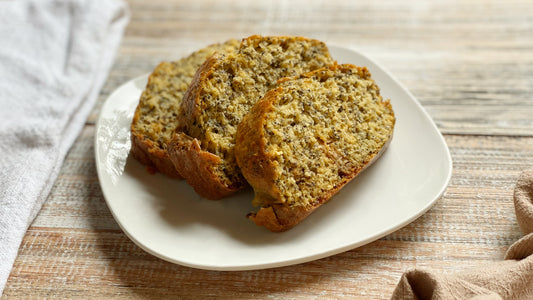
54 59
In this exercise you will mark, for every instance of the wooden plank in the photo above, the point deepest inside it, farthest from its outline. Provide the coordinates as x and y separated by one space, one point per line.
469 63
100 264
75 249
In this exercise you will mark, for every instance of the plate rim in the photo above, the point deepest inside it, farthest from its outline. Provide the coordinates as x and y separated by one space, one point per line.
291 261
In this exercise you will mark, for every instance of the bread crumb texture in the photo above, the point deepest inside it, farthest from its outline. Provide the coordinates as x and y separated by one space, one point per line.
238 81
156 116
321 128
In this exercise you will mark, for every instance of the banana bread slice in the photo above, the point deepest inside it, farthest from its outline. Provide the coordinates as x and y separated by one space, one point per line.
156 115
223 90
309 137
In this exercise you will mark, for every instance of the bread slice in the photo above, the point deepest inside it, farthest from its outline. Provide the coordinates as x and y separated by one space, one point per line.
156 115
308 138
223 90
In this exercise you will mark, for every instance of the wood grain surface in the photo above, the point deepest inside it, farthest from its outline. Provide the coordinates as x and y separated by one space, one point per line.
469 63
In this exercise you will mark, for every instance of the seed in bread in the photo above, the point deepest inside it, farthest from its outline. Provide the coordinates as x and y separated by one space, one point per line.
156 115
223 90
307 138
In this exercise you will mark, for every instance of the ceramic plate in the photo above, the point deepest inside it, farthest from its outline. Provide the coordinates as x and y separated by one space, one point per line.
167 219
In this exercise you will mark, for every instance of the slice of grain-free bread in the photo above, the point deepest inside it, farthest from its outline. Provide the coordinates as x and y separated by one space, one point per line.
223 90
307 138
156 115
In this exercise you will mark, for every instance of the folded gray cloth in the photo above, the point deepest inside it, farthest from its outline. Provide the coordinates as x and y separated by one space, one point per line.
54 59
511 278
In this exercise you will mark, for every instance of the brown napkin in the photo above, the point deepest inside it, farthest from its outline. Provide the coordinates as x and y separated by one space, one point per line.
508 279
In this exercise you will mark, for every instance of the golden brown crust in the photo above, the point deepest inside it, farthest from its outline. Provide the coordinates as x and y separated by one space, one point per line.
257 166
279 218
198 167
250 145
191 99
153 157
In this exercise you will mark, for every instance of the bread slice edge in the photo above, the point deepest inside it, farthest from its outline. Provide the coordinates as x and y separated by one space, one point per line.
254 162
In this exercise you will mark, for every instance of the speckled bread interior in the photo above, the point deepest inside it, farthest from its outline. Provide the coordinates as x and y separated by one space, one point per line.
223 90
307 138
156 115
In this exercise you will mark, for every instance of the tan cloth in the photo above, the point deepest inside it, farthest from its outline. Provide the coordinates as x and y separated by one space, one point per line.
508 279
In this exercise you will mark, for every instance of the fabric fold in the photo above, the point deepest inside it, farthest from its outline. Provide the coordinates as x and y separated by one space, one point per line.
54 60
511 278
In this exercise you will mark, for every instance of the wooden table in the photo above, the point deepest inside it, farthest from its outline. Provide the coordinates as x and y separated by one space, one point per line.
470 64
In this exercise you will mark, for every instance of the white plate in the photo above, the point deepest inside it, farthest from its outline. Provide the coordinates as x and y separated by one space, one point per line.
167 219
